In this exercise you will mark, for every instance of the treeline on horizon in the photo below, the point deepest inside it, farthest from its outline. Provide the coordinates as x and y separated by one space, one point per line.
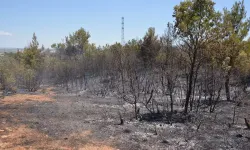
203 55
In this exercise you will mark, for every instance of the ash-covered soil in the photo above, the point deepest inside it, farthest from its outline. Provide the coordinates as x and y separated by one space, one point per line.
70 114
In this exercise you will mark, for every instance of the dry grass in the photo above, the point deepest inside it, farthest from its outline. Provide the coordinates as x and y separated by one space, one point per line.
81 134
47 96
3 114
22 137
21 98
95 147
48 91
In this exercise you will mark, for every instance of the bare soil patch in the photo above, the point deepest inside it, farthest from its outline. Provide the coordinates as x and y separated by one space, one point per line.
21 98
43 95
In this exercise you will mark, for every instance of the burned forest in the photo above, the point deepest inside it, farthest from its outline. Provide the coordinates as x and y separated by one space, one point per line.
187 88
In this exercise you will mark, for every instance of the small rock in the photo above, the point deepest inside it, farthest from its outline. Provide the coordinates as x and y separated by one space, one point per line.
1 130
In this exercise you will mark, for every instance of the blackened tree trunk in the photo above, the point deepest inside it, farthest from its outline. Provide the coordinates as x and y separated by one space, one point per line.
227 85
189 91
190 82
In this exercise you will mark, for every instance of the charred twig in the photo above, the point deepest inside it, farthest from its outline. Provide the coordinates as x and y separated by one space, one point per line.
121 119
247 123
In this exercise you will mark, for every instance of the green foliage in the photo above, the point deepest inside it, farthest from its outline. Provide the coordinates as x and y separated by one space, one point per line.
236 27
8 70
194 21
193 18
76 43
31 63
30 79
58 46
79 39
149 48
134 45
32 57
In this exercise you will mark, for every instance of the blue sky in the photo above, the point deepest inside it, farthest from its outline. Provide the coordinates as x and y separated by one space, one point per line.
52 20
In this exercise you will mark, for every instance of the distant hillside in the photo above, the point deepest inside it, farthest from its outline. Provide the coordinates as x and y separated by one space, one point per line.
9 49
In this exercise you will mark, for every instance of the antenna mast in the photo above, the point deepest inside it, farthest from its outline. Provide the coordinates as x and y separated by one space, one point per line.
122 35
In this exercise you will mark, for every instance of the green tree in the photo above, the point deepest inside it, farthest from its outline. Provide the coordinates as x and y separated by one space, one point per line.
75 44
149 48
8 70
193 21
235 27
80 39
32 57
33 62
134 45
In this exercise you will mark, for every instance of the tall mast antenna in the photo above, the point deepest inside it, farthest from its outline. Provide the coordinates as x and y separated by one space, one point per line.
122 32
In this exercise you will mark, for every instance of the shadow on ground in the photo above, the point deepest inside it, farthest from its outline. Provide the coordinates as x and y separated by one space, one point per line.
168 118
